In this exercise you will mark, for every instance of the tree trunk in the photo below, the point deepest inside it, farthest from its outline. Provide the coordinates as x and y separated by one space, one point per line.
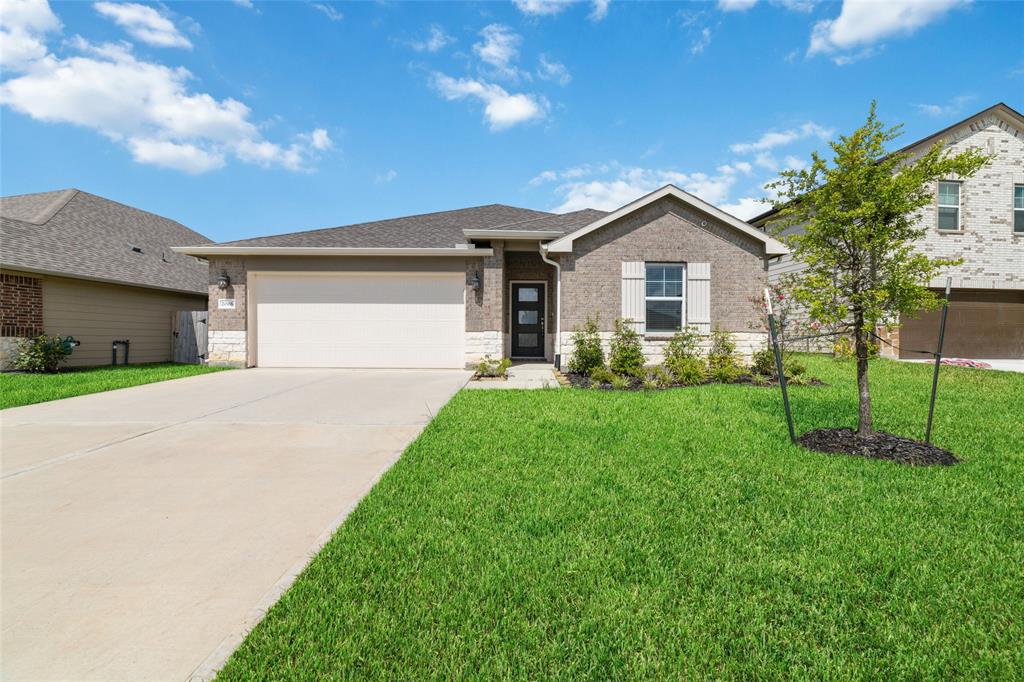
864 425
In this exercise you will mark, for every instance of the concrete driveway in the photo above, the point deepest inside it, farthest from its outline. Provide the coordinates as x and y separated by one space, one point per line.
145 530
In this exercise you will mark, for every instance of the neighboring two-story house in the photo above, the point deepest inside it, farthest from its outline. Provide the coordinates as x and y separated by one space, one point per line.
981 220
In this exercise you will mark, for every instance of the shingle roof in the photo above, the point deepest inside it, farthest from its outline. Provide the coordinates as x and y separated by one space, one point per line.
428 230
74 233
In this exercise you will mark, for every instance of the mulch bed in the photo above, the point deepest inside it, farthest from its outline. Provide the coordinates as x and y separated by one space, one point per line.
635 384
879 445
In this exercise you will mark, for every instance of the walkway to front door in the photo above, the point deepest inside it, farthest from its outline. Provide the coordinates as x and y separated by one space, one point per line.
528 320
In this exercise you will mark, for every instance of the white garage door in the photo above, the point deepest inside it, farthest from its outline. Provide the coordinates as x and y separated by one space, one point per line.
359 319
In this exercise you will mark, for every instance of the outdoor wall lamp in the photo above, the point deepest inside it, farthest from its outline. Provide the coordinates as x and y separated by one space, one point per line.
474 282
223 281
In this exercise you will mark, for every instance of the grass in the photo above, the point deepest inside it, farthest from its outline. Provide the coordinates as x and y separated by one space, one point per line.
584 534
26 389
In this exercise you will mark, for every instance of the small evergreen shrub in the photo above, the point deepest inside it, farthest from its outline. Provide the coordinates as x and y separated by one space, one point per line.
601 375
586 348
688 371
627 354
489 367
727 373
44 353
683 344
723 352
794 368
764 362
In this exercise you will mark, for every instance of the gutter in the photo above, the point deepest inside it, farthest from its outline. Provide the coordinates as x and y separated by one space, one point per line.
558 303
206 251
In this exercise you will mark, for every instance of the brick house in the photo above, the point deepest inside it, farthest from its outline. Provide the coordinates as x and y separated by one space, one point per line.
981 220
444 289
76 264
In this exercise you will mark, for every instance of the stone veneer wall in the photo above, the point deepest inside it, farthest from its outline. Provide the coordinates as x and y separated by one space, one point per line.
747 343
21 313
226 341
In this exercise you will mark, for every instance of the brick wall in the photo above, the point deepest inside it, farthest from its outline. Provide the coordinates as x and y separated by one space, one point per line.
21 305
227 320
484 306
668 231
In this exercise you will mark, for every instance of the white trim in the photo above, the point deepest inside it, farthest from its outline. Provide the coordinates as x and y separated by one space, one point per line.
543 318
959 205
462 252
772 246
513 234
681 298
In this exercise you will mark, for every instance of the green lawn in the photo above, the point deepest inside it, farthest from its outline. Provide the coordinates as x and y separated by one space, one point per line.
583 534
26 389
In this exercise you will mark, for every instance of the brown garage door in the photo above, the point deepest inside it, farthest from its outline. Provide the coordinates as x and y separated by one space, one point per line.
981 324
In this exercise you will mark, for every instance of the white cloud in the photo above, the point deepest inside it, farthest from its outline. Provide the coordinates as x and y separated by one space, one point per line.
862 23
599 10
773 139
499 49
736 5
745 208
702 41
144 23
244 3
23 28
150 109
541 8
501 108
767 161
610 185
553 71
386 177
434 42
328 11
950 108
183 157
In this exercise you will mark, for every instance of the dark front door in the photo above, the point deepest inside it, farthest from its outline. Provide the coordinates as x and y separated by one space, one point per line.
527 320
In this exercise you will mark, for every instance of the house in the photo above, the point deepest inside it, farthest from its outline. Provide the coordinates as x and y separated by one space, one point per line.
981 220
76 264
444 289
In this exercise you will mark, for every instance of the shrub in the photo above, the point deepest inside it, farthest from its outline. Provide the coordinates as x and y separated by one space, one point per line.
660 376
683 344
601 375
764 362
586 348
44 353
727 373
688 371
723 351
627 355
489 367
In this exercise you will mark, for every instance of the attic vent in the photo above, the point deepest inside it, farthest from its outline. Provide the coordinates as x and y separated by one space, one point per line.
136 249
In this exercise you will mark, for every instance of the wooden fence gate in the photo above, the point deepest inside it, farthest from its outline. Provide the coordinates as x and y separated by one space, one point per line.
188 336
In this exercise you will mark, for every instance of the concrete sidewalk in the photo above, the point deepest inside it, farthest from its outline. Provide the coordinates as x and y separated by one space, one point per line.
146 530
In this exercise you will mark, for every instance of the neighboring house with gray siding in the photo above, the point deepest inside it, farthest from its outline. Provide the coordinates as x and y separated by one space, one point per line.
444 289
979 219
76 264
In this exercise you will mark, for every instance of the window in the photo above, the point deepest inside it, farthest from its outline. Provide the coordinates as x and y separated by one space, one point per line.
664 300
1018 209
949 206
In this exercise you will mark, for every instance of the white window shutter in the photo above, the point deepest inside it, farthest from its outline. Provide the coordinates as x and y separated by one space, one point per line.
633 294
698 296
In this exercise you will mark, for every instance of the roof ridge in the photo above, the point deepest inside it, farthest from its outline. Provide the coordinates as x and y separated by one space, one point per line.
142 210
382 220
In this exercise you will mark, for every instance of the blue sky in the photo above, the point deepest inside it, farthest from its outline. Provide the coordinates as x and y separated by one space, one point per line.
247 118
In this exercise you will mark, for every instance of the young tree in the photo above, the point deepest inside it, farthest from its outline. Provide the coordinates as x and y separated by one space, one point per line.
860 218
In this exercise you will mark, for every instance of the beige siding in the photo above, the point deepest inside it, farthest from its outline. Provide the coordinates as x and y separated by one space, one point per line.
97 314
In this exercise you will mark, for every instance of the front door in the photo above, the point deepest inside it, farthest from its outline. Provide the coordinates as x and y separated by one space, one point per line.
528 320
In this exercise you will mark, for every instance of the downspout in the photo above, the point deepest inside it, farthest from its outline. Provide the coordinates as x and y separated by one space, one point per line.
558 303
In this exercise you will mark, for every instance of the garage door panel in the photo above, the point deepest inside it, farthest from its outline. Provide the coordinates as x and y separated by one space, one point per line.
360 320
980 324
